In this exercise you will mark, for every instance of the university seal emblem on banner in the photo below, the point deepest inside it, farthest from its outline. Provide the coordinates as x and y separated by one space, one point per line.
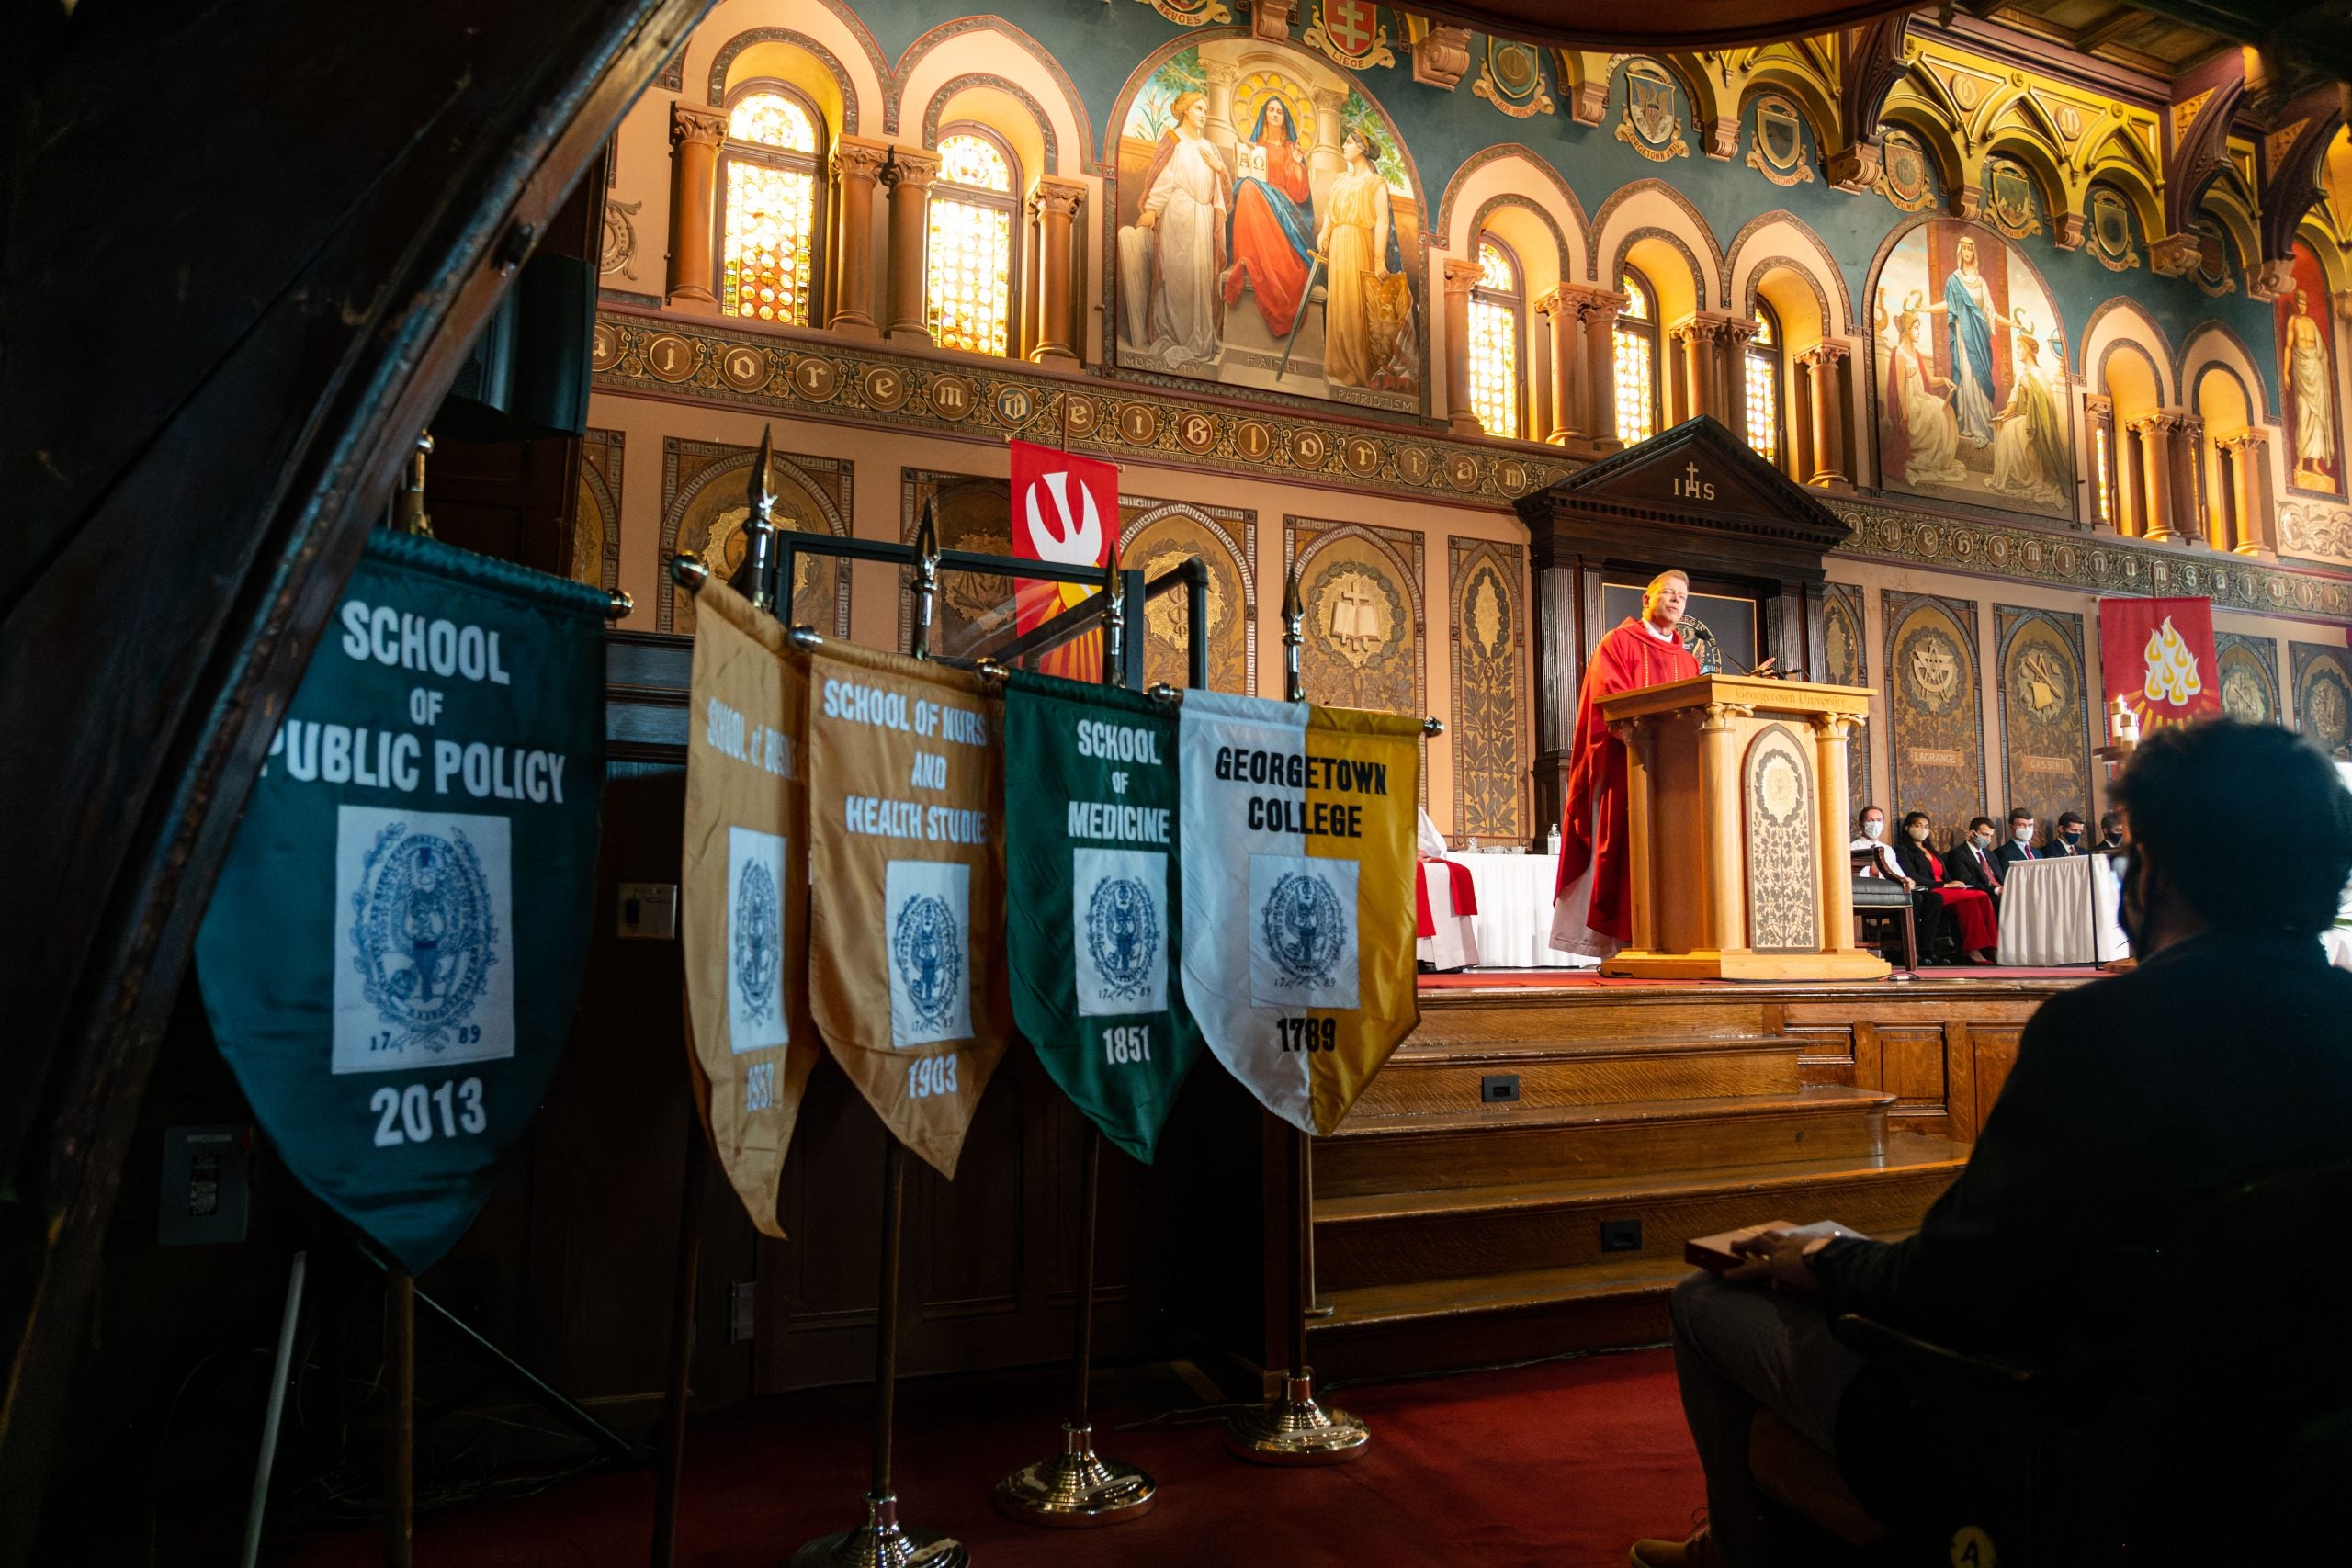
1299 827
905 951
744 886
392 956
1091 922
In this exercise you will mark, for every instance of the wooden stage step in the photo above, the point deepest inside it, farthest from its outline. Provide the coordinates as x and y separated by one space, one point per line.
1401 1152
1468 1276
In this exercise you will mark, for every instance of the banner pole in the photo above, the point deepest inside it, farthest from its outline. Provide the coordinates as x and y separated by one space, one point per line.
281 1372
759 531
682 1351
881 1541
1077 1487
1295 1429
399 1418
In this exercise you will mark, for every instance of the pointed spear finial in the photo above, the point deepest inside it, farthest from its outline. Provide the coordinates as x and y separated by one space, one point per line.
759 529
926 578
1294 633
1114 617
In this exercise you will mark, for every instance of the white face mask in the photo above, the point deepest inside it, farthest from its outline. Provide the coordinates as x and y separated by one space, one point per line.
2022 835
1873 829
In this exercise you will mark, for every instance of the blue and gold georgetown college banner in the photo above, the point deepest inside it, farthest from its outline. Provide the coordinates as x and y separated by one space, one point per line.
1092 920
392 956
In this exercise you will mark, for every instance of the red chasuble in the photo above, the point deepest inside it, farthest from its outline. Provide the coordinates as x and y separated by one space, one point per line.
1592 906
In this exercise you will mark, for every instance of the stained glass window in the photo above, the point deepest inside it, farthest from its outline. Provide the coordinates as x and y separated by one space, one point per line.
1763 364
2100 460
1637 361
1494 316
967 269
768 177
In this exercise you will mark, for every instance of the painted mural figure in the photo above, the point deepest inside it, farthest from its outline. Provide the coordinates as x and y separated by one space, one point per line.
2314 413
1355 240
1176 268
1969 321
2028 450
1924 441
1271 230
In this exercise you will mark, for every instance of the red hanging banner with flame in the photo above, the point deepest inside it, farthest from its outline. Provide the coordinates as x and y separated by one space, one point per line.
1065 510
2157 655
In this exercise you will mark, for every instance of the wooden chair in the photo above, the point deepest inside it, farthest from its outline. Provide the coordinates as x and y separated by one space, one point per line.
1875 897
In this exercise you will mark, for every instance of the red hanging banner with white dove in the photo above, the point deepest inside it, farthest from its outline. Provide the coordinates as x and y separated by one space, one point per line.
1065 511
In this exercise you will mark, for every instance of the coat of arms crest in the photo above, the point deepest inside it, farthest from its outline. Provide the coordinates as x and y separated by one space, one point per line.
1650 126
1779 152
1350 32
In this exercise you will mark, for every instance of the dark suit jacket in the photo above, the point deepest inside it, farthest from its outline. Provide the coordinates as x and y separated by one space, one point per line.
1913 858
2008 853
2061 847
2134 1100
1960 863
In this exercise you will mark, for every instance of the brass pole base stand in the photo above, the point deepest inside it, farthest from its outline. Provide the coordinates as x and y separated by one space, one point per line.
1294 1429
881 1542
1076 1488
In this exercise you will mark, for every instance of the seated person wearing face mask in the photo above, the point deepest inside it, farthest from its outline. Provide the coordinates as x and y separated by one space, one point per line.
2021 844
1971 862
1927 910
2111 833
1969 909
2069 838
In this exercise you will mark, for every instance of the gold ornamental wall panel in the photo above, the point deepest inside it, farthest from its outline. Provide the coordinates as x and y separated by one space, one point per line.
2249 676
704 489
2045 714
1846 663
1489 734
1362 589
596 515
972 513
1156 536
1783 858
1936 751
2324 697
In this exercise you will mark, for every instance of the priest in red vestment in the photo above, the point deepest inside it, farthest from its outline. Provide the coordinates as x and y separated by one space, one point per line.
1592 909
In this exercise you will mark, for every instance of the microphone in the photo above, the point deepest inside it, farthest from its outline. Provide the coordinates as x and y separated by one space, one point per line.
1797 673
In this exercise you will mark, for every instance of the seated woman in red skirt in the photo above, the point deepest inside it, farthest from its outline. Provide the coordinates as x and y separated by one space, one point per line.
1970 908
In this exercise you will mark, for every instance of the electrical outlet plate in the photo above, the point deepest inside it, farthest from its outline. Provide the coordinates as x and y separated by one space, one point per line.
208 1185
1621 1236
647 911
1498 1088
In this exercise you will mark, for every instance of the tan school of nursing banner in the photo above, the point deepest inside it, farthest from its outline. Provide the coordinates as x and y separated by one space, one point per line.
906 953
745 885
1298 825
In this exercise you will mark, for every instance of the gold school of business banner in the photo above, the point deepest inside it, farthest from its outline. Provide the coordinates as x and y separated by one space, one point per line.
745 882
906 953
1298 825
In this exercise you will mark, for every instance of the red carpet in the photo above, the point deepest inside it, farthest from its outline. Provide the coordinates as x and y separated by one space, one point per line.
1562 1463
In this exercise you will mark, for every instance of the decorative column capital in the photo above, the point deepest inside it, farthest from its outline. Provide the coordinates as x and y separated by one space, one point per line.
1441 56
1735 331
911 167
1721 715
1855 169
2249 440
1331 104
1057 195
1220 72
857 158
1827 355
698 128
1835 726
1461 275
2099 406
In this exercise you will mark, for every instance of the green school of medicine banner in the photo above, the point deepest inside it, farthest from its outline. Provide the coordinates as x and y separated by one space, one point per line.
392 956
1090 880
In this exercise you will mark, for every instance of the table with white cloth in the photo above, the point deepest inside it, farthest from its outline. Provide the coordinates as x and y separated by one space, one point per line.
1455 944
2060 909
1514 918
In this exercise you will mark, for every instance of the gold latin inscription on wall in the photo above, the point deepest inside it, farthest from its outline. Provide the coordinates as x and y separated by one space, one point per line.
632 352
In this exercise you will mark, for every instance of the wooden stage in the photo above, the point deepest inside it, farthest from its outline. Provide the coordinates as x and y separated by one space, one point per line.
1452 1230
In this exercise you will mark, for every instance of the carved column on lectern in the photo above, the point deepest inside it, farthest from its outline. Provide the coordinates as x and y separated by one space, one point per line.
694 136
1830 734
1460 277
1719 795
1639 736
909 177
857 164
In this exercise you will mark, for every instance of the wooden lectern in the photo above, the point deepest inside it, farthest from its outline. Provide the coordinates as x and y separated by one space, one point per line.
1738 826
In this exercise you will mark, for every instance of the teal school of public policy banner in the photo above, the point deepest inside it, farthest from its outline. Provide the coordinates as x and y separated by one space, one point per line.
391 958
1091 882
